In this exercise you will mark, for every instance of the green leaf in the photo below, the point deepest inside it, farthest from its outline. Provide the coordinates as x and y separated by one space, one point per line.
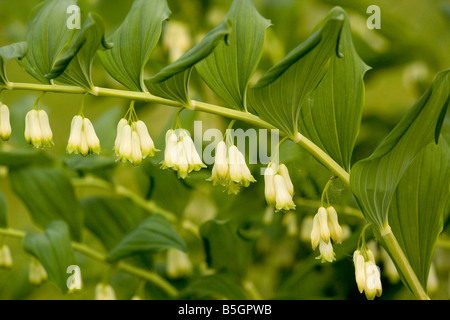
227 71
374 180
331 117
279 95
48 38
48 195
74 67
225 249
54 250
152 235
111 218
172 82
134 41
20 158
3 212
217 286
13 51
165 186
418 205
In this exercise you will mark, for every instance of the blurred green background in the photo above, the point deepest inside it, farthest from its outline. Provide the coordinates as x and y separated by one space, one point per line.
412 45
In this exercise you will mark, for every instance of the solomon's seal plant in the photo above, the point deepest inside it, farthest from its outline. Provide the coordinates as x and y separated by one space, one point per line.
152 214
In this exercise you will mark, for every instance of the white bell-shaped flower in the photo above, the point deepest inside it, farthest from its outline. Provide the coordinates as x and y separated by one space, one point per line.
238 170
220 169
104 291
333 225
37 273
136 154
5 257
278 194
360 273
178 264
306 229
91 137
323 222
283 171
283 197
146 142
373 287
315 232
326 251
46 131
125 149
170 153
122 123
76 127
5 126
269 186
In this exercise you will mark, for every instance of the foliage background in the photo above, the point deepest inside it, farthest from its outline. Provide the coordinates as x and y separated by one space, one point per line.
411 47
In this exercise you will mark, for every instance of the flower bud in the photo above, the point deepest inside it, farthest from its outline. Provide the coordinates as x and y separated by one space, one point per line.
305 228
389 267
104 291
178 264
433 281
5 257
333 224
5 126
269 186
37 273
290 222
323 223
315 232
283 171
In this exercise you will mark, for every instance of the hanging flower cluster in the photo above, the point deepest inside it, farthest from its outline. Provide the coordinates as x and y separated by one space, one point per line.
278 187
133 142
180 154
367 273
83 138
326 228
37 129
230 169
